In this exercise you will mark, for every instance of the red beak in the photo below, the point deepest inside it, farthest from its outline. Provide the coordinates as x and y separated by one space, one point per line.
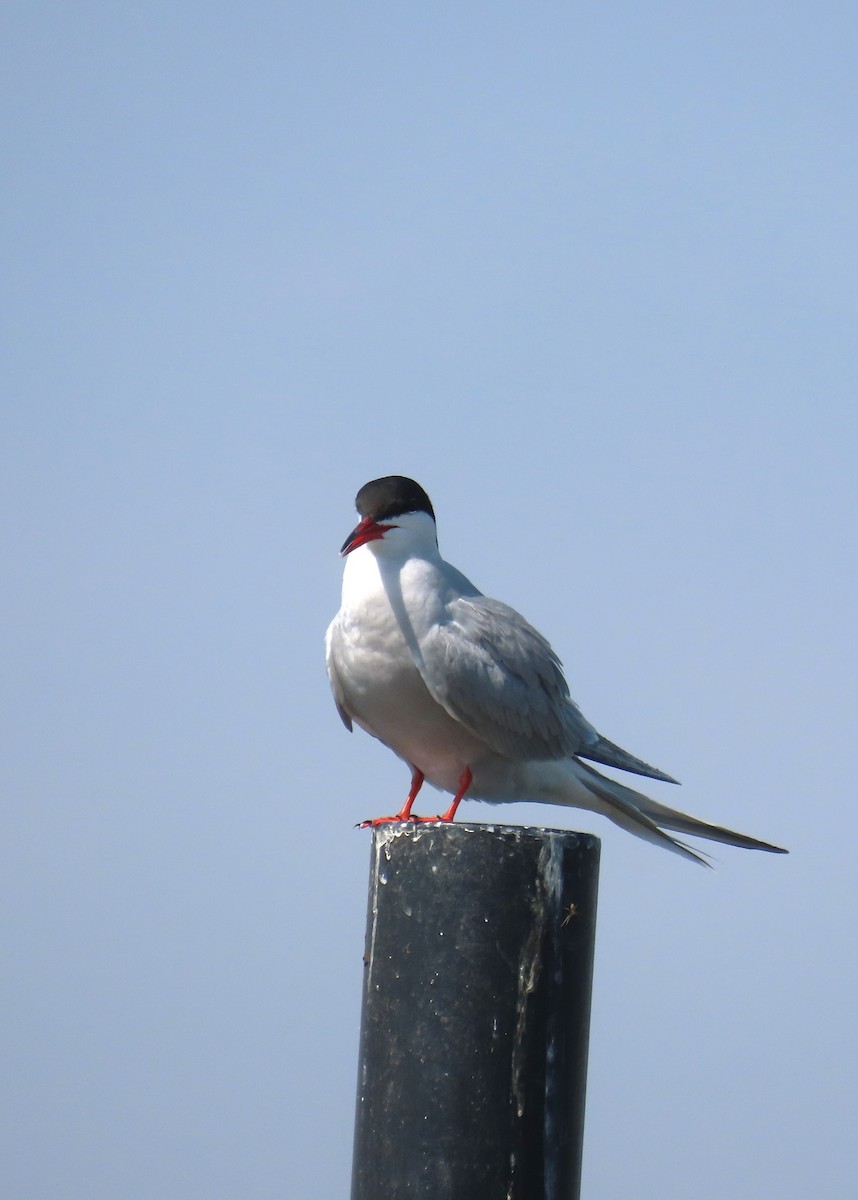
368 531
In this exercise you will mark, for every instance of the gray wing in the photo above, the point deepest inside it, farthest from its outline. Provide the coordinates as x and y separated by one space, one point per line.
492 671
336 683
496 674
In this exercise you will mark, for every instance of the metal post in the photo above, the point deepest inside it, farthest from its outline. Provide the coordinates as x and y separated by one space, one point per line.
476 1009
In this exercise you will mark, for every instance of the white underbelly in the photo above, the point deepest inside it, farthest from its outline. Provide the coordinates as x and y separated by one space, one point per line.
385 694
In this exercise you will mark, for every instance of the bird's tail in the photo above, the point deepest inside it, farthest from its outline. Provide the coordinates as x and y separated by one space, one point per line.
648 819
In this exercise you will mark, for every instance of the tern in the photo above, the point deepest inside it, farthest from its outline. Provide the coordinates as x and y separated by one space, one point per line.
464 690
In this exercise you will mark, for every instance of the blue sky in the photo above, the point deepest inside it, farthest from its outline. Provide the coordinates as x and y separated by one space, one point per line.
588 274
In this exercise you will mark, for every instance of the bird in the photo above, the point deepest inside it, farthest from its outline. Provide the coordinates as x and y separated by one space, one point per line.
465 691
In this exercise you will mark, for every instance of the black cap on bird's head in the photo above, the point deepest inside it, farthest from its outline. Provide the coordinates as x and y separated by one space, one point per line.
391 496
380 500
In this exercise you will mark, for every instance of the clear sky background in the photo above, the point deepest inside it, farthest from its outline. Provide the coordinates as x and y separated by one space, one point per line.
588 273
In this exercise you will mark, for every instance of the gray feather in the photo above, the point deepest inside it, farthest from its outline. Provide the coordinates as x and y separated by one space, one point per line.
625 812
492 671
336 683
646 813
671 818
612 755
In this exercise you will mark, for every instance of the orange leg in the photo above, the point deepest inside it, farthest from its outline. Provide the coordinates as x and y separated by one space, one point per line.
416 784
404 813
465 781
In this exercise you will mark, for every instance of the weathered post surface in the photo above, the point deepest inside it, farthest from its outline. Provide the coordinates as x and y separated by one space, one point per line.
476 1009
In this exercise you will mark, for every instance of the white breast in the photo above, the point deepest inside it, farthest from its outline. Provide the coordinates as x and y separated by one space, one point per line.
379 682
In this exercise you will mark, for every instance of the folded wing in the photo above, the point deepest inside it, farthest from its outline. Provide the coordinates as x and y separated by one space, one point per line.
500 678
491 670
